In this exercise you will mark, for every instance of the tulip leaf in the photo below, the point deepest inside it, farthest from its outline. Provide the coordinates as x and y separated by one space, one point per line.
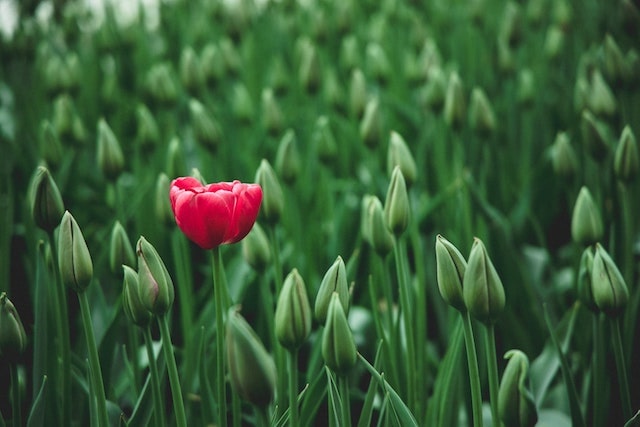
634 421
209 404
334 401
144 405
41 325
2 423
367 408
36 415
312 398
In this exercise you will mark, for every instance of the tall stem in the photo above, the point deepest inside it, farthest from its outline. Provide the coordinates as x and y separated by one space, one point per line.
598 371
219 298
622 370
343 385
474 374
172 371
15 396
293 388
492 366
158 406
280 356
94 361
262 420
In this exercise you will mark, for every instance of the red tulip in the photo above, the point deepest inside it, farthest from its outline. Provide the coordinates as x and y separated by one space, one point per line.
215 214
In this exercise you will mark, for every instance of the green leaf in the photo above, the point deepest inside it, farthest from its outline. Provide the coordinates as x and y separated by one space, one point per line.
312 399
335 403
367 408
209 405
36 415
41 325
634 421
144 405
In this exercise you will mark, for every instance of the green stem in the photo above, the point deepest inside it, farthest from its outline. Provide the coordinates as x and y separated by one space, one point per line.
182 262
281 384
262 420
236 410
492 366
293 388
627 233
133 344
94 361
15 396
220 307
474 374
598 370
622 370
277 267
158 406
172 371
343 385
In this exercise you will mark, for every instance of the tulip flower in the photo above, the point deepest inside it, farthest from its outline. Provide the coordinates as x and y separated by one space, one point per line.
215 214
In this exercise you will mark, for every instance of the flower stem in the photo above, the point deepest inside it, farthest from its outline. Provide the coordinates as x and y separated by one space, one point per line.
343 385
220 356
598 370
158 407
474 375
622 370
236 409
293 388
15 395
172 371
262 420
281 385
492 366
94 361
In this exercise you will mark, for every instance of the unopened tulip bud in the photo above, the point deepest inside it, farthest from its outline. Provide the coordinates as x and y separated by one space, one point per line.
593 136
338 346
242 104
272 195
515 401
206 129
626 162
601 99
334 281
380 238
251 368
310 72
326 144
256 249
293 312
271 112
615 63
454 102
610 291
526 87
191 73
109 153
74 259
481 114
562 13
176 164
357 93
195 173
511 24
155 285
371 124
399 154
377 62
350 53
450 269
482 288
279 76
162 205
50 146
66 122
396 205
581 93
231 57
161 85
287 158
585 287
554 42
506 61
586 221
132 306
563 157
46 202
435 90
120 250
13 339
147 133
212 63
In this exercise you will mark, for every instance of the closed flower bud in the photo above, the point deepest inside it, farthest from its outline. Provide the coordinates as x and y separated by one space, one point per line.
626 162
279 76
593 136
74 259
120 250
231 58
176 164
554 41
586 221
66 122
212 63
147 134
50 146
482 288
450 269
13 339
206 129
601 100
585 288
109 153
511 24
526 87
481 114
287 158
334 91
371 124
324 140
251 368
610 291
377 62
333 282
256 249
161 85
350 53
380 238
563 157
273 197
398 154
162 204
271 113
396 205
293 312
615 63
242 104
435 90
357 93
515 402
454 102
338 347
310 72
131 303
506 61
191 73
46 202
155 285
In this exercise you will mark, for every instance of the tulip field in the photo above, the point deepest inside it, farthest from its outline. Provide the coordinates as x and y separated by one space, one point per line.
319 213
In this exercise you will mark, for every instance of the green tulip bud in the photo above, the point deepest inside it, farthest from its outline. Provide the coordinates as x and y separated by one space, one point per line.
310 71
120 250
242 104
454 102
272 195
338 347
626 162
251 368
482 288
350 53
191 73
231 58
481 114
377 62
46 202
131 303
615 63
515 402
563 157
206 129
511 24
212 63
371 124
585 287
334 281
155 285
278 76
398 154
176 164
109 153
586 221
271 112
334 91
162 205
67 124
609 289
526 87
377 232
593 136
554 41
256 249
293 312
450 269
435 90
506 61
601 99
13 339
562 13
325 141
396 205
50 146
74 259
161 85
148 133
357 93
581 93
365 219
287 158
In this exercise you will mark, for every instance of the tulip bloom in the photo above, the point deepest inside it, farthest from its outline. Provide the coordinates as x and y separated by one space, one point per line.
215 214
